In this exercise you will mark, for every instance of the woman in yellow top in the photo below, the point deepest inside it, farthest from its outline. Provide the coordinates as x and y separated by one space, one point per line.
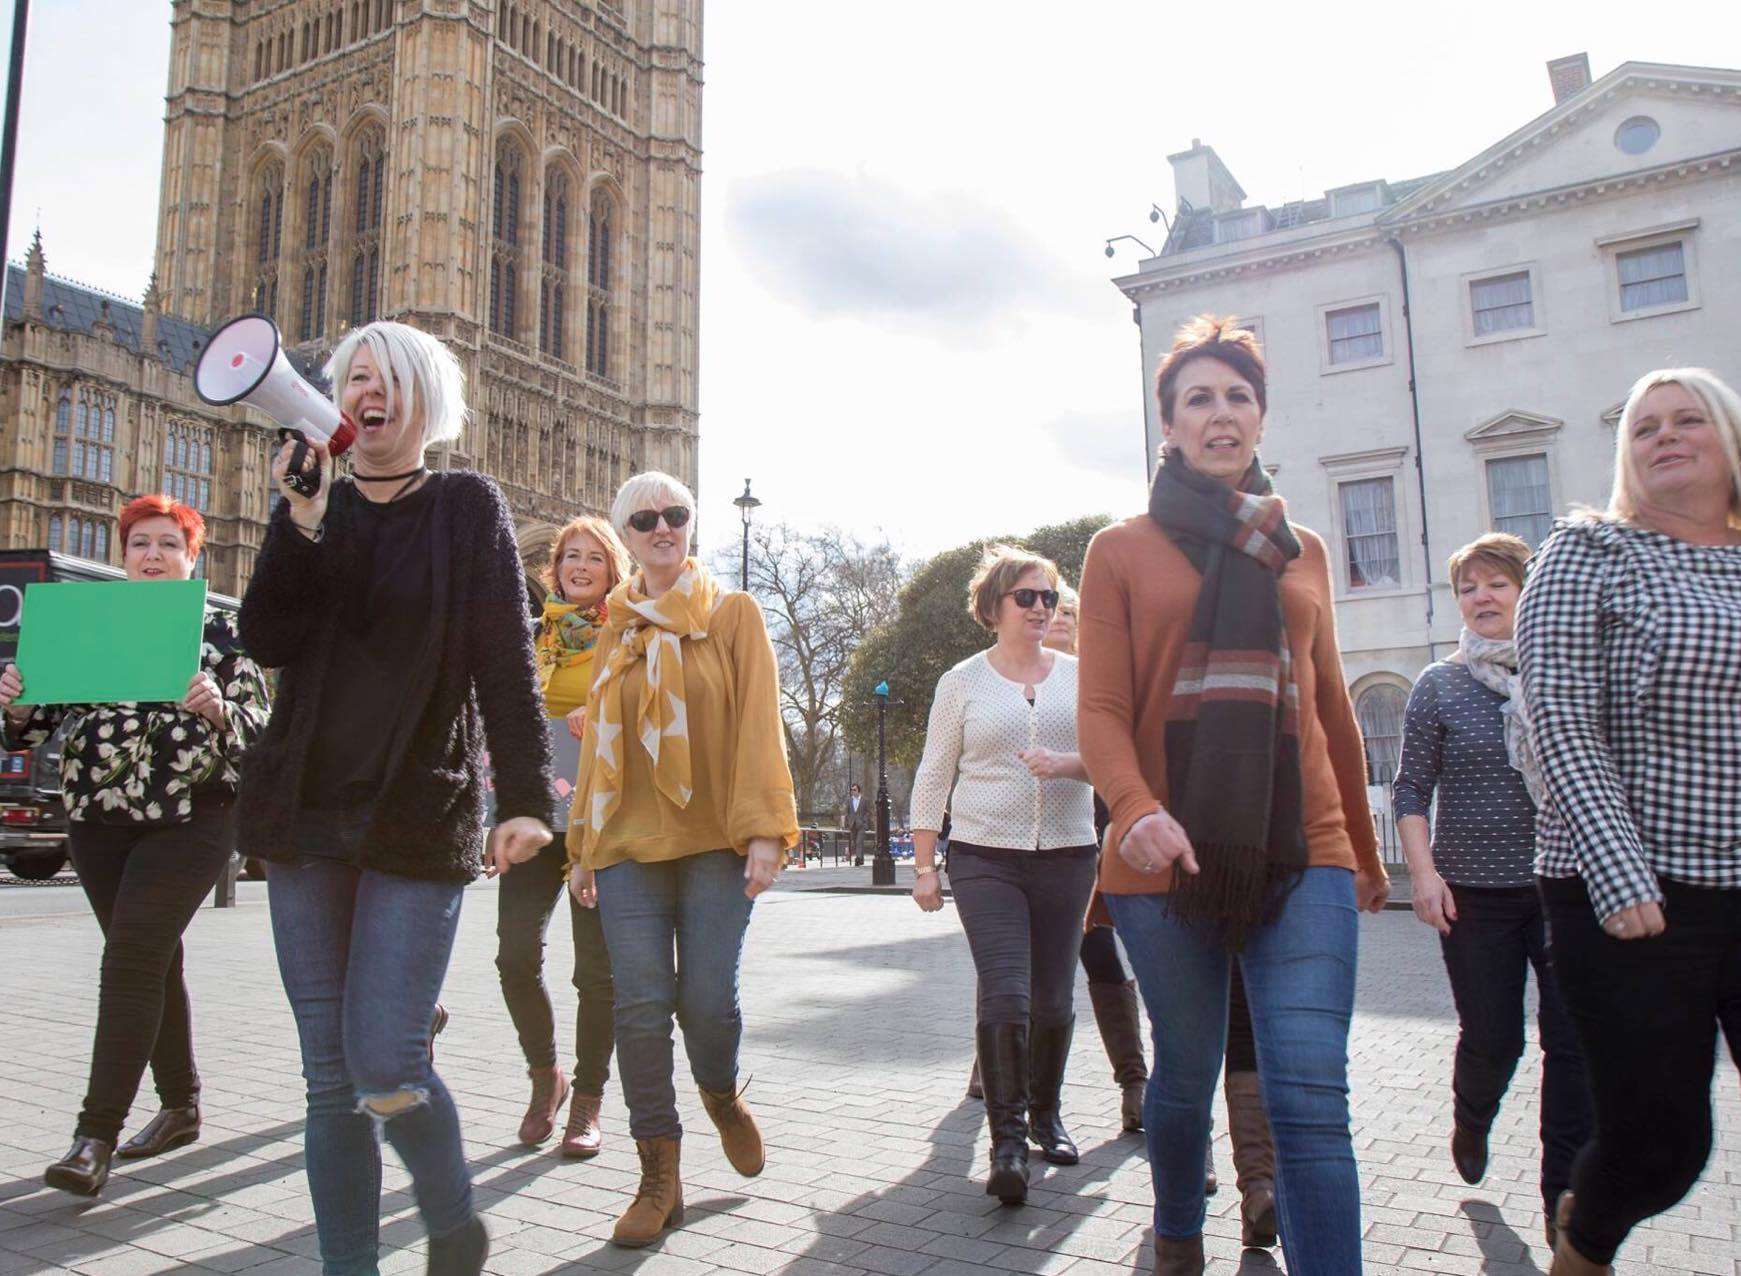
683 810
586 562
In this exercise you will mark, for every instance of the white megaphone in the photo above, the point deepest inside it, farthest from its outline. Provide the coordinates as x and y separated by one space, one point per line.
244 362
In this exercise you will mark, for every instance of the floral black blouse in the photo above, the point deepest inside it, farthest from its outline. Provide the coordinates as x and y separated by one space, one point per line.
132 763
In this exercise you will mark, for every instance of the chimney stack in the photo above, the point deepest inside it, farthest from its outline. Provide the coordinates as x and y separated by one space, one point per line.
1201 181
1569 76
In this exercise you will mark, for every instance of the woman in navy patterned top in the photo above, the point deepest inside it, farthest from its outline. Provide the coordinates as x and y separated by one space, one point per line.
1465 738
1630 642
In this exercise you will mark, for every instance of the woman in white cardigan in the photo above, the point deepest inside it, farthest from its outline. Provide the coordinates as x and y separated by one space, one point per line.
1000 752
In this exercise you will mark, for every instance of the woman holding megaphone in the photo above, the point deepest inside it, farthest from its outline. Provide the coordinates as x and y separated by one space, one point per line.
393 601
149 792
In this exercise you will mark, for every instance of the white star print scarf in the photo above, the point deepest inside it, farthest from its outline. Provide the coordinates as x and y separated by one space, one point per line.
649 629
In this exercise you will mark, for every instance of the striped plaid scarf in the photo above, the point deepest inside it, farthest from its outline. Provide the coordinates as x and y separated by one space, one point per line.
1233 721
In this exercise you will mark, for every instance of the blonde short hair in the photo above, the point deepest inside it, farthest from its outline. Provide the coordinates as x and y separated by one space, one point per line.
1000 567
1720 404
1067 597
415 362
1499 550
648 489
602 532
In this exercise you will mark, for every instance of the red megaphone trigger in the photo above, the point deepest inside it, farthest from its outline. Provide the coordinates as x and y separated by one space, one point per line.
343 437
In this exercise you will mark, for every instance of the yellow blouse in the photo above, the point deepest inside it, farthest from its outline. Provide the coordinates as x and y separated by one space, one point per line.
742 786
566 690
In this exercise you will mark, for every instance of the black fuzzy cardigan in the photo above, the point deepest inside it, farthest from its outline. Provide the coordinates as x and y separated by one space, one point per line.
428 821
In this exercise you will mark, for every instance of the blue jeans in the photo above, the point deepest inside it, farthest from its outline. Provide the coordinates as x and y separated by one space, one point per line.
675 930
363 955
1299 982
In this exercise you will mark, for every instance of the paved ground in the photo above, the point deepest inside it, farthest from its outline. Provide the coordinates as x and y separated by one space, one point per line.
858 1040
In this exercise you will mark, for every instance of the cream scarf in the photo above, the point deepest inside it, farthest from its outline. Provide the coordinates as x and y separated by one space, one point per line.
1492 662
650 630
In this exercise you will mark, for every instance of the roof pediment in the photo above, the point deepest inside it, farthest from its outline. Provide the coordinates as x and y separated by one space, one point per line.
1575 142
1514 424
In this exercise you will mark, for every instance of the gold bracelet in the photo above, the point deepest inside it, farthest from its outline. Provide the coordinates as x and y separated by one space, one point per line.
920 870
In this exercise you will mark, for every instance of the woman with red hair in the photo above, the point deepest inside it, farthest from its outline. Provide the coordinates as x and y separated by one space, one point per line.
148 791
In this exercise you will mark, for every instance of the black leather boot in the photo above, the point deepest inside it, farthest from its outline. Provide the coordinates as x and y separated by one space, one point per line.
84 1169
1049 1051
1003 1071
169 1129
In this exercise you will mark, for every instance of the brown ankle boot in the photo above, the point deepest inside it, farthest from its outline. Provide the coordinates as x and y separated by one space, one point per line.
549 1093
658 1202
1120 1021
1568 1261
1254 1160
738 1133
583 1138
1179 1257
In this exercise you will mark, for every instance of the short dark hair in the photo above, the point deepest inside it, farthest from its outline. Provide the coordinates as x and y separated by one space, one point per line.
1211 337
855 785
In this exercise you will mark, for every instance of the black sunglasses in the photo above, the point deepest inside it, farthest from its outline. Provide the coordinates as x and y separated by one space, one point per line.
1025 597
646 520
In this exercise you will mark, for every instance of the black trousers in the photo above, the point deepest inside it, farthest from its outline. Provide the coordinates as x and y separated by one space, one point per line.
1100 957
144 885
1499 935
1647 1012
1023 913
525 900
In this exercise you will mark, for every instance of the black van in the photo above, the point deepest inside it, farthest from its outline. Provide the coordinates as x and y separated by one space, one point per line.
33 823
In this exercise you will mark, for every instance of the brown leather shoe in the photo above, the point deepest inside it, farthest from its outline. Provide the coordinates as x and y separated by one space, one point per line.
1469 1154
975 1090
169 1129
1179 1257
583 1138
1254 1160
437 1025
549 1093
658 1202
84 1169
1567 1260
738 1133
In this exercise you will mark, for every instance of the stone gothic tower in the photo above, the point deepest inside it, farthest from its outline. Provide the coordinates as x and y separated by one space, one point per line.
520 177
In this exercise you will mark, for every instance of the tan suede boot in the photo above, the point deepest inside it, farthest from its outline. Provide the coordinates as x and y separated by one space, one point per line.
1254 1160
1568 1261
1179 1257
738 1133
658 1202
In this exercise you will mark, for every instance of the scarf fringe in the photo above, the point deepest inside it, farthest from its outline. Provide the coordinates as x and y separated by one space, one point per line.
1236 890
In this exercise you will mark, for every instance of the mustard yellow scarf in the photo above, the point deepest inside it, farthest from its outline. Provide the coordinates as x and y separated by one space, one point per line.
650 630
566 636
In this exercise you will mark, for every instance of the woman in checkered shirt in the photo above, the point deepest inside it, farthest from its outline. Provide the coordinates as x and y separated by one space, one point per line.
1629 637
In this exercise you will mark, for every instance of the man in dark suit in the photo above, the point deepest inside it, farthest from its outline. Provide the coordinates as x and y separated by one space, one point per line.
857 819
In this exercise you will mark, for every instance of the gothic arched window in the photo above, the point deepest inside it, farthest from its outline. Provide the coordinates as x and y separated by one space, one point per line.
555 290
505 241
63 420
600 281
268 231
369 165
316 234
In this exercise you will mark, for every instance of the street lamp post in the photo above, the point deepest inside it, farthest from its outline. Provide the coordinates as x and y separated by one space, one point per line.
882 863
746 506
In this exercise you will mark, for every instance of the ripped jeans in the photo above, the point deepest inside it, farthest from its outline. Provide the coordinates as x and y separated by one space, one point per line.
363 955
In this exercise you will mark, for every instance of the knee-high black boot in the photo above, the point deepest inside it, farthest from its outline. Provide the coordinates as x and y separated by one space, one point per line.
1003 1069
1049 1050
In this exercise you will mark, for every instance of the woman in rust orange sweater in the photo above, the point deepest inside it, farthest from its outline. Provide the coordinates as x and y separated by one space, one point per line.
1215 723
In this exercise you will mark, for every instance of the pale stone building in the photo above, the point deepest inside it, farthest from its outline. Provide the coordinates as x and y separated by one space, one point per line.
519 177
1448 354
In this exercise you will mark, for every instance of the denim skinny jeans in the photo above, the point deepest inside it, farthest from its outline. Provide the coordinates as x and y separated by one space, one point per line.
675 930
1299 982
363 955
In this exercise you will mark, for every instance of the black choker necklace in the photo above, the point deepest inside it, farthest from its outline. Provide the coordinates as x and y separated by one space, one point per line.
387 478
410 478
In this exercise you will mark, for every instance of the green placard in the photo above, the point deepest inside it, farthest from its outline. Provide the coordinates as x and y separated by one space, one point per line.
92 642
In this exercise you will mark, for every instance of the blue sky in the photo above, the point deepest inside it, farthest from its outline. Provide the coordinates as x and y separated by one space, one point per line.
907 322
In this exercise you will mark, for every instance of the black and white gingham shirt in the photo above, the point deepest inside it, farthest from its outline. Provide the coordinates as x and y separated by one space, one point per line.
1630 646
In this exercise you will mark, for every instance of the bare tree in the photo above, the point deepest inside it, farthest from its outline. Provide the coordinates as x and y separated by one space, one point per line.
821 593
